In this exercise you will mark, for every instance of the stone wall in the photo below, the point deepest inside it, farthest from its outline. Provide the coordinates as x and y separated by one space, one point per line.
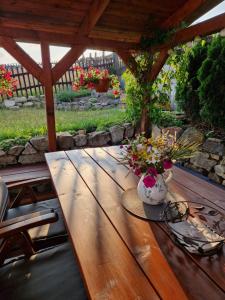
210 159
95 101
33 151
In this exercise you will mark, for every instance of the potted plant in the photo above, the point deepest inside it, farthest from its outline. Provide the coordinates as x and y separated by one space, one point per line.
7 83
152 160
97 79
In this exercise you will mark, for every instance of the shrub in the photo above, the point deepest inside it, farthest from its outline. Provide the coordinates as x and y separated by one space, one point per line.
69 95
212 88
5 145
187 95
164 118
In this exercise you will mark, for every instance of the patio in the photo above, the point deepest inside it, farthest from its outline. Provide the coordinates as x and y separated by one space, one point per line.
78 239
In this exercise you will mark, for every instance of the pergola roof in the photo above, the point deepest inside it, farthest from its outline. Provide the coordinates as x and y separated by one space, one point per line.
102 24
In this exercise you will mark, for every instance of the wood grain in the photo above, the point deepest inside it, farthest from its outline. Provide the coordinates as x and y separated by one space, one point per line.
108 267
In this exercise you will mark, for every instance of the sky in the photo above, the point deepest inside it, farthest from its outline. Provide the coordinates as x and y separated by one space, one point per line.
58 52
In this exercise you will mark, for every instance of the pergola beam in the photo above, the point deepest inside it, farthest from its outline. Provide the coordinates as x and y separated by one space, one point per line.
128 60
94 13
22 57
49 97
159 63
183 13
62 66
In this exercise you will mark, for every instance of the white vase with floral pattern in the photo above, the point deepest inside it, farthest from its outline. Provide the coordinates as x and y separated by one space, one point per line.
154 195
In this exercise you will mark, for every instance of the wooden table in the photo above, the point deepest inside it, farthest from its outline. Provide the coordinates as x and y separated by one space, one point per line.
120 255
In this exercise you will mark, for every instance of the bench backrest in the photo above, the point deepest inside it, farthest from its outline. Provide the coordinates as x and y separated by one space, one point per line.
4 199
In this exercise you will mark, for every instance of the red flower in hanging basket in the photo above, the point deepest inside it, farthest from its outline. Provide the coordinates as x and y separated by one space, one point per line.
95 78
7 82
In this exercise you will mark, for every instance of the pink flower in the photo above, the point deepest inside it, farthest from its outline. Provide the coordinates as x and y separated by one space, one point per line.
137 172
149 181
152 171
167 164
134 157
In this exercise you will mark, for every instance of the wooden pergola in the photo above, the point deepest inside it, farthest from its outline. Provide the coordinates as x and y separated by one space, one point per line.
114 25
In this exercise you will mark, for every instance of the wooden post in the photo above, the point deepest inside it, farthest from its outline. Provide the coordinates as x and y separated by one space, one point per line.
48 86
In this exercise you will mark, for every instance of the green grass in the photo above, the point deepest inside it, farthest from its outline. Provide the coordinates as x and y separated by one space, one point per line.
28 122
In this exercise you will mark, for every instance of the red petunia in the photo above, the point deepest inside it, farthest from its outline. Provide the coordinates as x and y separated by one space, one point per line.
167 164
149 181
152 171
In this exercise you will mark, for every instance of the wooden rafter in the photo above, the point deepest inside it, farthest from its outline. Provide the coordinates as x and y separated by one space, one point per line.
129 60
62 66
202 29
185 11
22 57
94 13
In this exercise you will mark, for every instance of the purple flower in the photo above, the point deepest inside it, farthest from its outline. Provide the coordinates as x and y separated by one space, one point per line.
121 146
152 171
167 164
149 181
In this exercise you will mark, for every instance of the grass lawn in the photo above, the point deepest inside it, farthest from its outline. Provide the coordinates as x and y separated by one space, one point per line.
31 121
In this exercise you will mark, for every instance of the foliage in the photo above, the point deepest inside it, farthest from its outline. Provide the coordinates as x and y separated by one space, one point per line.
187 91
155 155
212 84
5 145
29 122
7 83
69 95
134 103
92 76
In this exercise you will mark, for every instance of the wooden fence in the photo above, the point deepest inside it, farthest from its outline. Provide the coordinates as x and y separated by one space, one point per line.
28 85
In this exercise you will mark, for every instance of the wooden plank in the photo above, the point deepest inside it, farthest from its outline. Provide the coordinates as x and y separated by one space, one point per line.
21 56
49 97
214 194
118 173
143 246
108 268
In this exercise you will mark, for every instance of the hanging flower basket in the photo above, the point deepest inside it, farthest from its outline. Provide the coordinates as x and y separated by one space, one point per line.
97 79
103 85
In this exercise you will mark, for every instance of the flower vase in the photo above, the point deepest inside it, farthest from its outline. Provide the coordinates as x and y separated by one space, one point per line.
102 86
156 194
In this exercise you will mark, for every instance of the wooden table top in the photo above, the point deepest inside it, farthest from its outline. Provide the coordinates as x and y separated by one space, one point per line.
122 256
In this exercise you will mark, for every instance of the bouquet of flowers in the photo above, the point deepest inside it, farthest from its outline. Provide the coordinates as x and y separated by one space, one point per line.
92 76
155 156
7 83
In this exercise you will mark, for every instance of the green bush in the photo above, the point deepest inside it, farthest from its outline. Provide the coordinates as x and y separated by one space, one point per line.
5 145
164 118
70 95
212 88
187 94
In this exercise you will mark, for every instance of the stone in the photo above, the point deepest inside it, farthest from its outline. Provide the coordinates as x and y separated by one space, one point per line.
16 150
98 138
156 131
214 146
117 133
215 156
220 170
223 183
80 140
214 177
174 131
201 160
40 143
16 107
82 131
29 149
31 158
223 161
28 104
20 99
65 141
9 103
192 133
7 160
33 98
129 130
2 153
